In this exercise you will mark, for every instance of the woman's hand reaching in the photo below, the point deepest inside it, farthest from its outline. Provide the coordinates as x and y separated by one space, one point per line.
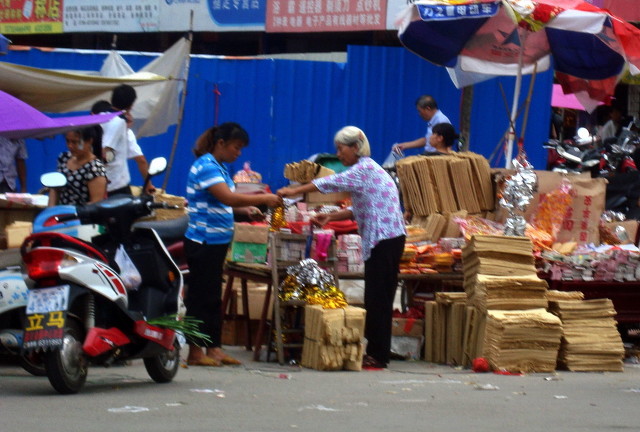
321 219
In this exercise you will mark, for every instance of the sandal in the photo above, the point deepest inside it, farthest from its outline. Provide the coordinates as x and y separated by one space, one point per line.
204 361
369 363
228 360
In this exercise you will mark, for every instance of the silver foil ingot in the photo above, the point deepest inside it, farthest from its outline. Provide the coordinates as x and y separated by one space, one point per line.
516 195
308 273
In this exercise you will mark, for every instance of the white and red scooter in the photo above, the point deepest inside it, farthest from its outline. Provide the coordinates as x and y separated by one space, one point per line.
79 309
13 301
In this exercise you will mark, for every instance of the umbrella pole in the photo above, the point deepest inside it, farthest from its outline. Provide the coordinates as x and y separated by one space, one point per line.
514 105
527 103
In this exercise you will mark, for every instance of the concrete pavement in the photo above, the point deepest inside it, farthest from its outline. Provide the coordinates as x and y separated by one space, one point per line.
259 396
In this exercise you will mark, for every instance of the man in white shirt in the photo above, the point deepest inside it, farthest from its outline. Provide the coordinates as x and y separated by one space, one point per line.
611 128
428 110
119 144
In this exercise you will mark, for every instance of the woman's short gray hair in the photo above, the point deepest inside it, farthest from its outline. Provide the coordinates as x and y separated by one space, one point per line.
353 136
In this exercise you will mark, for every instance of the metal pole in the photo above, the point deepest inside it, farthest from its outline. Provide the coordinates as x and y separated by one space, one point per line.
183 97
514 106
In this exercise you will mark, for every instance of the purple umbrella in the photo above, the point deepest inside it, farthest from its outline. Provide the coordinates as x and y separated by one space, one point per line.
20 120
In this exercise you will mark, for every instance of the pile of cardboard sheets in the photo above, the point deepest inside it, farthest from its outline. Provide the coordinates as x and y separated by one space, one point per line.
590 339
333 338
506 292
305 171
444 328
506 321
446 184
522 340
498 256
437 226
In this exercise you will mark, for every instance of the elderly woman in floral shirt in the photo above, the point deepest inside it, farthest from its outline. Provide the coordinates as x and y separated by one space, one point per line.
376 209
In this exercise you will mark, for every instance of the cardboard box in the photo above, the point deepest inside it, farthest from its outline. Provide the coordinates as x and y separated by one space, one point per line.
407 327
256 301
17 232
249 243
328 198
15 211
233 332
630 226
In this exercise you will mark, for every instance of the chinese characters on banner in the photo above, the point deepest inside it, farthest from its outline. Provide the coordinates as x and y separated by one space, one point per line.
111 15
301 16
31 16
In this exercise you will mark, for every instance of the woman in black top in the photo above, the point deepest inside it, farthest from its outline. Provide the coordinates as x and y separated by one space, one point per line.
85 172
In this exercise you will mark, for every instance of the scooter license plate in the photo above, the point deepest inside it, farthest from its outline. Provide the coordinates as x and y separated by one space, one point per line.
46 315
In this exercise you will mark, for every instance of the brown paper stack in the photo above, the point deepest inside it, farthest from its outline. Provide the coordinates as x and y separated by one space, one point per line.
590 339
333 338
438 168
463 187
305 171
453 309
481 179
446 184
506 292
522 341
452 229
553 295
498 256
499 276
416 185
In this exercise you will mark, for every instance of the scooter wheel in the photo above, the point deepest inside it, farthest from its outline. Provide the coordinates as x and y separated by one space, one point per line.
67 367
33 363
164 367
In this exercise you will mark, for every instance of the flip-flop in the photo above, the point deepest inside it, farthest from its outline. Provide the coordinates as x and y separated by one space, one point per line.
228 360
204 361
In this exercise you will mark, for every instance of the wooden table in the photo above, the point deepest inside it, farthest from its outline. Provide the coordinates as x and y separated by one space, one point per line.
411 283
261 273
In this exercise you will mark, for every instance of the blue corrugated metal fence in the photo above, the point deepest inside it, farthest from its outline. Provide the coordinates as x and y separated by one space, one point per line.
292 108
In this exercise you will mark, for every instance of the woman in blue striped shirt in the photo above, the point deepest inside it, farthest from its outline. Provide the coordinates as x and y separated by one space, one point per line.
212 201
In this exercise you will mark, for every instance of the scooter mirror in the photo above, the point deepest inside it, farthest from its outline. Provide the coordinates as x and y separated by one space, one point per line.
53 180
157 165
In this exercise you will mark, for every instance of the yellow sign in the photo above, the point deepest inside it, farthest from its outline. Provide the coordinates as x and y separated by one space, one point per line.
31 16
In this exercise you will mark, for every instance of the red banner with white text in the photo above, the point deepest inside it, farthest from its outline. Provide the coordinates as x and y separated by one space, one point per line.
31 16
301 16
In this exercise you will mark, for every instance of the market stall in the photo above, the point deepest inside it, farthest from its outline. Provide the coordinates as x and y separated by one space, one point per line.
439 279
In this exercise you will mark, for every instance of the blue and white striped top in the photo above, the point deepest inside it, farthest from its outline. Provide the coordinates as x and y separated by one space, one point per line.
210 221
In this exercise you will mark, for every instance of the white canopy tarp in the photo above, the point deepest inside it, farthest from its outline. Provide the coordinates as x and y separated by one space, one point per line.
157 85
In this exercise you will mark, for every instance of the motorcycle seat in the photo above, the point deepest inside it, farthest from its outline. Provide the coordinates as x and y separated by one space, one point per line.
169 230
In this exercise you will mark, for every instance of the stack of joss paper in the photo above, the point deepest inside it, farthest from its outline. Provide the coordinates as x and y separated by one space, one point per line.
504 298
500 273
498 256
522 340
333 338
506 292
446 184
305 171
444 328
590 339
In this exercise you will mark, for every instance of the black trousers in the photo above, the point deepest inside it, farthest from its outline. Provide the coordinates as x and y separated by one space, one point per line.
380 284
203 299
